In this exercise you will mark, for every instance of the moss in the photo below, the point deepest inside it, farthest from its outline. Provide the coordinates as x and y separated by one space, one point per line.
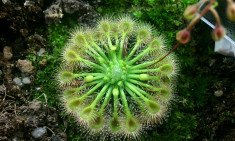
58 34
45 75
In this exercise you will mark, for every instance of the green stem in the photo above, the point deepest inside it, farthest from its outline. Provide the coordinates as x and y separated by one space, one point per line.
91 54
92 90
86 74
106 48
124 101
106 100
116 41
141 66
91 83
109 41
148 64
93 64
113 55
121 46
96 53
115 105
135 98
110 46
86 85
145 70
99 77
135 76
139 56
143 84
133 50
100 51
100 95
137 90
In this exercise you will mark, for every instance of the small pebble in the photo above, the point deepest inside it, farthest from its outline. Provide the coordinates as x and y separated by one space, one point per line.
24 32
7 52
218 93
6 1
17 81
43 62
26 80
38 132
38 88
25 66
2 88
35 105
15 139
41 51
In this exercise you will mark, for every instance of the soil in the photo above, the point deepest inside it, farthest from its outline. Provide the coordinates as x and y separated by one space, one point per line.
22 118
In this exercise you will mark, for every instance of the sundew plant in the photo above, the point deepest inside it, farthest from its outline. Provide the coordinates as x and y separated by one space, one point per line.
114 80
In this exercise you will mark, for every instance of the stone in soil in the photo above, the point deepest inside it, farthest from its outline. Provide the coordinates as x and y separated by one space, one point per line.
26 80
25 66
17 81
38 132
7 52
218 93
41 51
35 105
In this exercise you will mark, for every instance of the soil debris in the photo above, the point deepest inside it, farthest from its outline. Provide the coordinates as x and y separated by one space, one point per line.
25 66
7 52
